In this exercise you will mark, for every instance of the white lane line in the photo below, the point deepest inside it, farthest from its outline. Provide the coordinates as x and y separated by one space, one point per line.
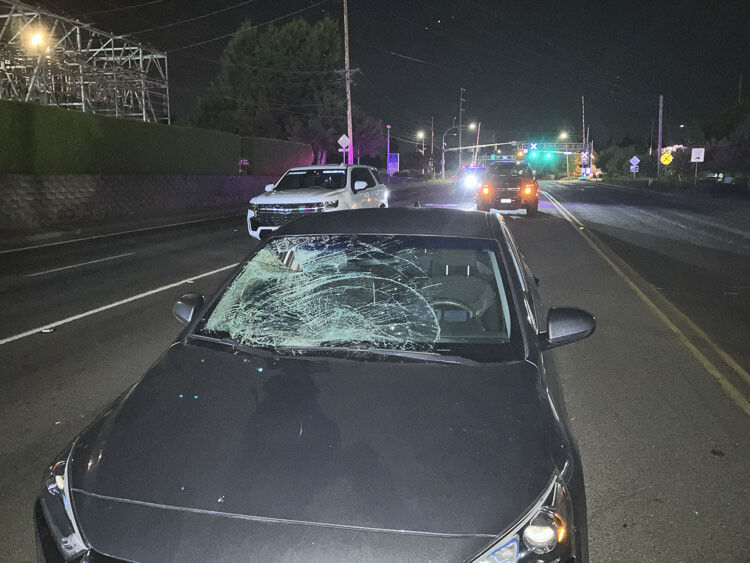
113 305
20 249
79 265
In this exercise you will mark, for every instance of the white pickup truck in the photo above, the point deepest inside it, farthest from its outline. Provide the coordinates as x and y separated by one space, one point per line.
315 189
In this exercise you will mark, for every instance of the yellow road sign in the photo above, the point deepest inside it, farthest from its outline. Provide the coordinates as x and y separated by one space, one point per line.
666 158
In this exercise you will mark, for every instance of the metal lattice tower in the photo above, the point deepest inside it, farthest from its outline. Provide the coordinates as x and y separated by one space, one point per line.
60 61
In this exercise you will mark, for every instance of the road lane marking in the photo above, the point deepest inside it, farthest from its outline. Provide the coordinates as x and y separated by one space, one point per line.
725 384
79 265
113 305
20 249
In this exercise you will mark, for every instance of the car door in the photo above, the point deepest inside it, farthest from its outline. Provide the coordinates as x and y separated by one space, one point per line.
366 197
380 189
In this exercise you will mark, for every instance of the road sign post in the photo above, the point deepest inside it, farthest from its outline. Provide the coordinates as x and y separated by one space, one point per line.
697 155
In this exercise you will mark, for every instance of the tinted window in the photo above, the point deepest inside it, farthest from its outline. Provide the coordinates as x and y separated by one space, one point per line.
362 175
511 169
439 295
377 176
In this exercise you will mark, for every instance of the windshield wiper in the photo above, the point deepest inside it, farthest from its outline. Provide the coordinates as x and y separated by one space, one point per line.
370 348
234 345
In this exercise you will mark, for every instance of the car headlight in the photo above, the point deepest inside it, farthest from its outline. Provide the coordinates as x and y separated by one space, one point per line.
470 182
57 509
331 204
542 534
252 208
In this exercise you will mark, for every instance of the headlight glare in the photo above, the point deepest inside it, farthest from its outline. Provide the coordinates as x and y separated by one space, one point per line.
540 535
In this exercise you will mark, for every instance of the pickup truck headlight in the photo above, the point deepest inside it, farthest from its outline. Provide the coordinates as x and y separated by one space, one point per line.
57 508
252 209
542 534
331 204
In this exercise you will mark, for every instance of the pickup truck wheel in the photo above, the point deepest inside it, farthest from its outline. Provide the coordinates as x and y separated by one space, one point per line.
483 206
532 210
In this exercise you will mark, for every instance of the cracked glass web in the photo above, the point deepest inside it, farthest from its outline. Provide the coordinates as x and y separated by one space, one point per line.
330 290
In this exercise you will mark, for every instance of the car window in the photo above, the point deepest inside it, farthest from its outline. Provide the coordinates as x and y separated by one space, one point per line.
333 179
377 176
511 169
362 175
441 295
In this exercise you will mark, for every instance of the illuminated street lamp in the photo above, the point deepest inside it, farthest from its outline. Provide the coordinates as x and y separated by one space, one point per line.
563 135
472 126
420 135
36 39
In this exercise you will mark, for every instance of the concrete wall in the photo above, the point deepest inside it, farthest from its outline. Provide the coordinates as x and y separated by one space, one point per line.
34 202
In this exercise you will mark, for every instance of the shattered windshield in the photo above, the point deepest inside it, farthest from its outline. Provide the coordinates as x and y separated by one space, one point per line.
333 179
429 294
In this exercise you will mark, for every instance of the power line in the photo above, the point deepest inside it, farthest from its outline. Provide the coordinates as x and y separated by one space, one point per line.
253 67
187 20
227 35
110 10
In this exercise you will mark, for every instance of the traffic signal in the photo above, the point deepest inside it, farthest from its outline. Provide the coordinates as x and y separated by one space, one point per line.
532 154
548 155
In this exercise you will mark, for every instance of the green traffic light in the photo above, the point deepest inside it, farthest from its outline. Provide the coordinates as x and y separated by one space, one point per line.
532 155
548 155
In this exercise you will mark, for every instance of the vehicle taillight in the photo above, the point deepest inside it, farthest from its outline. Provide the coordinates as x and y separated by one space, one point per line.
529 189
485 190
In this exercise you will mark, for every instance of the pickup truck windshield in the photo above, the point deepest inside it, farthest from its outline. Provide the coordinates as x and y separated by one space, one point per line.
409 293
299 179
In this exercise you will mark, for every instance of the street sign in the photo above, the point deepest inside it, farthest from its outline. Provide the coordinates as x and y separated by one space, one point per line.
584 158
698 155
392 163
634 161
634 168
666 158
344 141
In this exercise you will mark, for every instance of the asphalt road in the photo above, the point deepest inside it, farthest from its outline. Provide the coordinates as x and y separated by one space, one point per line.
655 396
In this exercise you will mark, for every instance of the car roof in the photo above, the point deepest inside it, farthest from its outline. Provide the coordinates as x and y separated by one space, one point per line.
331 167
393 221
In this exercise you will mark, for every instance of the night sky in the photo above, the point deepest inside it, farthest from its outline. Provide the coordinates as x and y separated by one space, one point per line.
524 65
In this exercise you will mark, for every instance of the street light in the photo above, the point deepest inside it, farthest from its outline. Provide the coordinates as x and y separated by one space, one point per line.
472 126
36 39
420 135
563 135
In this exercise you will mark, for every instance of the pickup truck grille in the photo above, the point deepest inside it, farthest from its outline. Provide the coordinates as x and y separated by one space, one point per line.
275 215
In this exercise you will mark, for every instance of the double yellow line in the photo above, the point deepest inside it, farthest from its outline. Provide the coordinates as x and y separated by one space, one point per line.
666 311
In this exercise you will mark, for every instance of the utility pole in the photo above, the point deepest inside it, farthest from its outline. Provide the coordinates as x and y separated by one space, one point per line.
350 153
432 145
388 152
476 148
651 139
658 142
460 123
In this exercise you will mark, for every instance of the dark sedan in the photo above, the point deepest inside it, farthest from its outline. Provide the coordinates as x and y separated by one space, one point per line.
368 385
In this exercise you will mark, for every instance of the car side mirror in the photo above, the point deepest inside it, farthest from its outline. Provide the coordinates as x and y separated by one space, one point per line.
566 325
269 187
185 308
360 185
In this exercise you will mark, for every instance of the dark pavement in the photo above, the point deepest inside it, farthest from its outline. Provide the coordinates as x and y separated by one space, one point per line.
664 440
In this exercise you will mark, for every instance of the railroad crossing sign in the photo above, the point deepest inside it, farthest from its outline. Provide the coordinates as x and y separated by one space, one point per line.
634 161
666 158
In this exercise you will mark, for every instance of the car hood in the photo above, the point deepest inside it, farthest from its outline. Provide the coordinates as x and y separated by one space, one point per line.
304 195
303 448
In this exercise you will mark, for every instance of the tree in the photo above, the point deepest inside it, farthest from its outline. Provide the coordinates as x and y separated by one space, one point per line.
280 82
